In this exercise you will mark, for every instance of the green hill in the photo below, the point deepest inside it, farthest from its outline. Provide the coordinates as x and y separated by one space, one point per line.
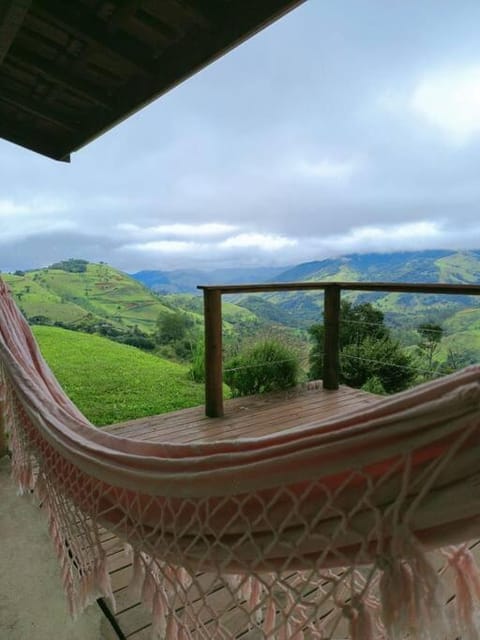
110 382
100 292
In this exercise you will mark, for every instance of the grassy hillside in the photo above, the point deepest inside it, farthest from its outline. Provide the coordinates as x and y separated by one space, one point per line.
232 314
100 290
110 382
104 294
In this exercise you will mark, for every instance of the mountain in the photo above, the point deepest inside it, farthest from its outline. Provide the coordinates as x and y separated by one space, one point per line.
305 308
186 281
413 266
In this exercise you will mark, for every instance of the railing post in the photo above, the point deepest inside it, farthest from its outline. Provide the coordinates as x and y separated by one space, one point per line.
212 300
331 346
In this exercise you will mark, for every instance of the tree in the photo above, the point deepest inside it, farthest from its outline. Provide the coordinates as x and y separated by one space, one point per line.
176 335
172 327
431 335
370 358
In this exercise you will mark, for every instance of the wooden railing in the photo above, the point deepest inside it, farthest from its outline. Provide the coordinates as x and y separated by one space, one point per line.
212 295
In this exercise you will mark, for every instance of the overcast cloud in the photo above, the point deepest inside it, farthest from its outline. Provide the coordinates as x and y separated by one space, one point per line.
344 127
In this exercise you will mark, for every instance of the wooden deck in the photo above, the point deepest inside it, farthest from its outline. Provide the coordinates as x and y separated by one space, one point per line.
247 417
244 418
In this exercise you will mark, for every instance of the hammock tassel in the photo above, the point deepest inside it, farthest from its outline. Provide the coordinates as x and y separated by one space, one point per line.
159 616
270 617
360 619
409 595
138 577
396 596
103 583
255 599
148 590
467 583
172 631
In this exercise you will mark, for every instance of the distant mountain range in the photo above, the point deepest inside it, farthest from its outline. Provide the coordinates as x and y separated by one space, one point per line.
407 266
187 280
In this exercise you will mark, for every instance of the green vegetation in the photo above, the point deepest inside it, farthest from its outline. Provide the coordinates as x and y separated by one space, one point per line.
98 294
97 299
265 366
177 335
370 358
111 382
431 335
73 265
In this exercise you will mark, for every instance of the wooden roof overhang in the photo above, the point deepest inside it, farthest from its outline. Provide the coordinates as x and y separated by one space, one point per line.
71 69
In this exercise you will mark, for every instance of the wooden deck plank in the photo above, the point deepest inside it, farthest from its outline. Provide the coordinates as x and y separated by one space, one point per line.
244 418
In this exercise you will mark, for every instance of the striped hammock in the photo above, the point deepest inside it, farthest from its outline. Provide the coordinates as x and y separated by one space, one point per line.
341 529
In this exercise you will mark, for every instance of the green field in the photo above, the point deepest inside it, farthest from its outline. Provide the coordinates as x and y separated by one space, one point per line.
110 382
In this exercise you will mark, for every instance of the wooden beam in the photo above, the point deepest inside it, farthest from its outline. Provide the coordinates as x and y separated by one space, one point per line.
331 343
392 287
58 76
12 14
37 108
87 27
213 354
30 138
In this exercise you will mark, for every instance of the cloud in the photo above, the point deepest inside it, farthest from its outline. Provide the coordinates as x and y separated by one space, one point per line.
36 207
27 218
386 237
210 229
449 99
163 246
263 241
326 169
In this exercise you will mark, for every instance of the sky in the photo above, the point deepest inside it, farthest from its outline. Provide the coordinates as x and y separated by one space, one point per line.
344 127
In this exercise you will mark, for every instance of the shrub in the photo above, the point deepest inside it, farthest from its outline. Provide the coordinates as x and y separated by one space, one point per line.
197 368
266 366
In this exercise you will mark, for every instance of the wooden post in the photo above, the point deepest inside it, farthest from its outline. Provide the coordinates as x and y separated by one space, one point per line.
212 300
331 347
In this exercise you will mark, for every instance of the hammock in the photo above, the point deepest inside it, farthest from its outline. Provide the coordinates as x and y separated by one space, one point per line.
321 532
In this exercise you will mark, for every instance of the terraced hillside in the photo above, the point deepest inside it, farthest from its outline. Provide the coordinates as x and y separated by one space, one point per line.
100 292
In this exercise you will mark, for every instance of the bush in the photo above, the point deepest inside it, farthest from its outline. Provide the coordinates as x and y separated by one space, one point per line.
266 366
197 369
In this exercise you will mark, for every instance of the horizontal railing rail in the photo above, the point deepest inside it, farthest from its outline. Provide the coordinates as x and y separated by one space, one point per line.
212 295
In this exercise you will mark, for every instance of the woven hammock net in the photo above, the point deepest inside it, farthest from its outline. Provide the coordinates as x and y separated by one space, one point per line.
357 527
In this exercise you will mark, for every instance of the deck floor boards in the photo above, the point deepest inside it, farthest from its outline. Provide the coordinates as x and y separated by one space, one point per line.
244 418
